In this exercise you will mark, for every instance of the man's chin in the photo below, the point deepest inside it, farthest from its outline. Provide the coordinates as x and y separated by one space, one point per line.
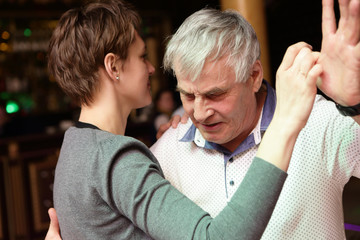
211 137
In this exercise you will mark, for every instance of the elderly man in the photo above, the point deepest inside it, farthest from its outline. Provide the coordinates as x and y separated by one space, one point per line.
214 56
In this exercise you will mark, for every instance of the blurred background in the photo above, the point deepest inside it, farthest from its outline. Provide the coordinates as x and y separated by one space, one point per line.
34 113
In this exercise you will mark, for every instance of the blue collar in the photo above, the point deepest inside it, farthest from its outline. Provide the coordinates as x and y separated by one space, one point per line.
267 114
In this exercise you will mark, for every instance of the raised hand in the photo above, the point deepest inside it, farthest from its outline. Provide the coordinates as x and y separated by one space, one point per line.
340 52
296 85
295 95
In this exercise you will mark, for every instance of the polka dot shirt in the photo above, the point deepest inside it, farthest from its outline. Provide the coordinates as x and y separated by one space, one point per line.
326 155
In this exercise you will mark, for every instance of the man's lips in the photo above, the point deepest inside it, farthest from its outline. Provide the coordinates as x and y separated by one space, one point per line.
210 127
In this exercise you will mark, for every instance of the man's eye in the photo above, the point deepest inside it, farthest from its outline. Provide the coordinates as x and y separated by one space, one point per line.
189 96
214 96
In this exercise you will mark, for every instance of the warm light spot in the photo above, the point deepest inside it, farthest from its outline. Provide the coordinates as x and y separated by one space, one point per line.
4 47
5 35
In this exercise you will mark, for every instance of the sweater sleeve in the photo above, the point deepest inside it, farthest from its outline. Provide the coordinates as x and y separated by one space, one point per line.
138 191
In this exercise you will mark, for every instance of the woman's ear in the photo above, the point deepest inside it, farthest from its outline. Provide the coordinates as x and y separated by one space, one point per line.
111 63
257 75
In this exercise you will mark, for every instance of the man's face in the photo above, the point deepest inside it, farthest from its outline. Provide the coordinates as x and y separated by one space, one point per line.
223 111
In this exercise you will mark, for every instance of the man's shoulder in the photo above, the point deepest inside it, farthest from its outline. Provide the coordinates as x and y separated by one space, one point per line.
172 136
326 110
323 108
177 133
319 99
326 118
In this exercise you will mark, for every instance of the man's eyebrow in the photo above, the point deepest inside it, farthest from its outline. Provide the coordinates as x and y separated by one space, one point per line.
180 90
213 91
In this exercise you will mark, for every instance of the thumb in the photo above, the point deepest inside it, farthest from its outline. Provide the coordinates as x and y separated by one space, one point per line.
54 229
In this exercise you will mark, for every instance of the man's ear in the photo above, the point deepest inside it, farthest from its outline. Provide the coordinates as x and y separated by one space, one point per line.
111 63
257 75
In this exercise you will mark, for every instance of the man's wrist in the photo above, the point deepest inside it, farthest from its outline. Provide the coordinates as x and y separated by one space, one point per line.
348 110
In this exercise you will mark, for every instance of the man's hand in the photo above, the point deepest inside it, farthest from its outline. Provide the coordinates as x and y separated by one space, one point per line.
54 229
174 121
340 52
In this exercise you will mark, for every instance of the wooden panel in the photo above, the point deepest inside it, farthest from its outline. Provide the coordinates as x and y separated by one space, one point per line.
14 199
351 204
28 172
41 174
1 213
17 194
254 12
2 202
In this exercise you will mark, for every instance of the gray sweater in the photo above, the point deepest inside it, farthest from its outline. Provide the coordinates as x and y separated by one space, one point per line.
111 187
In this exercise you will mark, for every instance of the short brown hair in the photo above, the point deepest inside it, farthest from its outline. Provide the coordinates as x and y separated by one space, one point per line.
81 41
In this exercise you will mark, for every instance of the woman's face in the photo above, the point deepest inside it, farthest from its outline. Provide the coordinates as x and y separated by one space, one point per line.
135 73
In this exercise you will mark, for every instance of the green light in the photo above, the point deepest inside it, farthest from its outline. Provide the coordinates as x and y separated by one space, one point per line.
4 95
12 107
27 32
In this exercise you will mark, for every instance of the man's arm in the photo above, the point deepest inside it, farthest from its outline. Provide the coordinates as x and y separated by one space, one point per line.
340 53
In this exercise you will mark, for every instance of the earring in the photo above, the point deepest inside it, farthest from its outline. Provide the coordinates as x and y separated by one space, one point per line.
117 77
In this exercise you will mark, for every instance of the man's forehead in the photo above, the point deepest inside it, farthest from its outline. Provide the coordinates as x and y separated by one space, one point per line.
214 69
203 87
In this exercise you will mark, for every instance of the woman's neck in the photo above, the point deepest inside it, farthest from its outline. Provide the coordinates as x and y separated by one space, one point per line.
105 118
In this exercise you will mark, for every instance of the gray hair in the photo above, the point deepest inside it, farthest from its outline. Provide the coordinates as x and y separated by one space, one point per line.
210 34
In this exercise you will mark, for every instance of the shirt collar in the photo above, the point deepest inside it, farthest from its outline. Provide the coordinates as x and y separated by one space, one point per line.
80 124
254 138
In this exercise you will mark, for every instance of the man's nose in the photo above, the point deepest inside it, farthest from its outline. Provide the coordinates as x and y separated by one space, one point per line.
201 110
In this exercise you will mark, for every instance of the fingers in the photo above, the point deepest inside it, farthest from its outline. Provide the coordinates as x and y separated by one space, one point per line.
353 24
349 23
175 121
303 73
357 51
305 60
328 18
315 70
184 118
162 129
54 223
296 87
290 55
314 74
344 13
54 229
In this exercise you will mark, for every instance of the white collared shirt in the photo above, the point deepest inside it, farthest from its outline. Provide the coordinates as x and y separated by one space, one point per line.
326 155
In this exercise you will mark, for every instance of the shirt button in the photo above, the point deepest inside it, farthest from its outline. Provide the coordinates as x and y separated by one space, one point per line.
231 160
232 183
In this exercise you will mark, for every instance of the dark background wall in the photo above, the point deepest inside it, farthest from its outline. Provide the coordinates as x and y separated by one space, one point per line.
43 105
